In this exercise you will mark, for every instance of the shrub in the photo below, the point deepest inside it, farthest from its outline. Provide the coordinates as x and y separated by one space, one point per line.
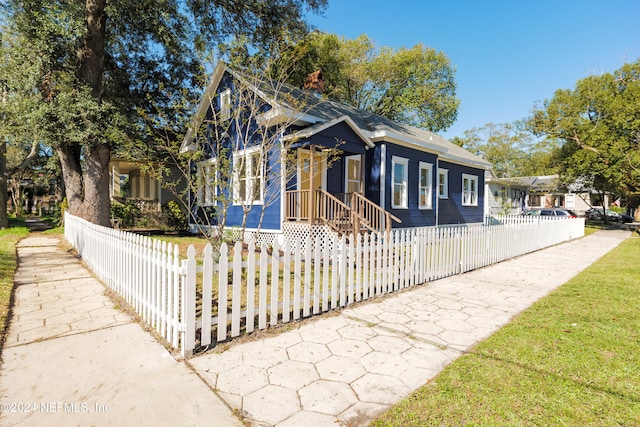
175 216
126 212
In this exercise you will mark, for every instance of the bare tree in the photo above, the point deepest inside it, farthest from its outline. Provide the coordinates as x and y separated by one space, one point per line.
236 156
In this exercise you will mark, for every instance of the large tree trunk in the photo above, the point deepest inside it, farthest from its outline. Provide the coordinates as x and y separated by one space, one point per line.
91 52
97 200
87 191
87 187
72 176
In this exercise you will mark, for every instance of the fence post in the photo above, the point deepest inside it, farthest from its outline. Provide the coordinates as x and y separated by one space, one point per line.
223 290
189 303
207 285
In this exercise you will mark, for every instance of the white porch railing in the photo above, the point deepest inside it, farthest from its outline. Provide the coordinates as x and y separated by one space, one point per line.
194 304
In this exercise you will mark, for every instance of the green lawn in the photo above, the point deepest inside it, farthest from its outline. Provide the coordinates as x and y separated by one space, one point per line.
8 240
572 359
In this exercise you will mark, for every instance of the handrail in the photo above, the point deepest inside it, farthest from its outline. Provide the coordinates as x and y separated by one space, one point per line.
351 214
372 213
333 212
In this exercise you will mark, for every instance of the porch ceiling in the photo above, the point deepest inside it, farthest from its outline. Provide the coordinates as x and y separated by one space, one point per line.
124 166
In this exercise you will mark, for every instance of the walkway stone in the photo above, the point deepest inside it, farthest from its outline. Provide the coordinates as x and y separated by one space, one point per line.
72 358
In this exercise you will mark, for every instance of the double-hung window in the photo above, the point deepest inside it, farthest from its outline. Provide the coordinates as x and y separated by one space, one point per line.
248 174
443 183
424 186
208 183
469 190
399 179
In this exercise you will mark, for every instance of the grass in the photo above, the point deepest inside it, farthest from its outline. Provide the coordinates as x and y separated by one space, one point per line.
183 243
571 359
8 239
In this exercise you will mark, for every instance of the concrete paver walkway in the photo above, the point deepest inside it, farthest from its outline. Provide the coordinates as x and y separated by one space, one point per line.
71 358
351 367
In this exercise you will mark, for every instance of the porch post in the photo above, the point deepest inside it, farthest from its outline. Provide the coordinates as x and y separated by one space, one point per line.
356 216
312 196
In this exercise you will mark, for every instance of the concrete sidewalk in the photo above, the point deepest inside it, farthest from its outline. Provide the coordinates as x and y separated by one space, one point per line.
71 358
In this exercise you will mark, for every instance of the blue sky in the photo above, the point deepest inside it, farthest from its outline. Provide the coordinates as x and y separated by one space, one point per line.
508 55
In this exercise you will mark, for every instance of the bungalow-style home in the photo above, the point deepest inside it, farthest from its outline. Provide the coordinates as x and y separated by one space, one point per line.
506 196
342 169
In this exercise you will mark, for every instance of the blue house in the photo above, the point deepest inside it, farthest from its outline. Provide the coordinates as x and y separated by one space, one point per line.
302 164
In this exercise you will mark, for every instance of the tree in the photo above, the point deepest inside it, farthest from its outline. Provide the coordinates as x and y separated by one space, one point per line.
18 149
99 64
511 149
414 85
598 124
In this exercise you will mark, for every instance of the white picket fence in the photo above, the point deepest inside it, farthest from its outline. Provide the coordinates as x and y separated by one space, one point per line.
194 303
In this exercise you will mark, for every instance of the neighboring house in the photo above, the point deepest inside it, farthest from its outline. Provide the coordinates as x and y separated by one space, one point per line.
353 170
129 182
506 196
517 195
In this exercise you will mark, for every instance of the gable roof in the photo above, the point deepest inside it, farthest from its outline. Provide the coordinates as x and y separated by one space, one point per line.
318 111
319 127
541 183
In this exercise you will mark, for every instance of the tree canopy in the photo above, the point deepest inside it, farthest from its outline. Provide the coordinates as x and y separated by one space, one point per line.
511 149
87 76
598 124
413 85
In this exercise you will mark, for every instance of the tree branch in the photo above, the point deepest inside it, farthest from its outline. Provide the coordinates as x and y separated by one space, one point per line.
27 160
582 145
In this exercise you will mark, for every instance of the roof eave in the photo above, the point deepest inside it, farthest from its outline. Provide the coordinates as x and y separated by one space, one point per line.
187 143
306 133
422 145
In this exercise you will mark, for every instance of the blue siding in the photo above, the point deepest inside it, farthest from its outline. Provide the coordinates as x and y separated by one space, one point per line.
373 173
272 217
451 209
340 136
412 216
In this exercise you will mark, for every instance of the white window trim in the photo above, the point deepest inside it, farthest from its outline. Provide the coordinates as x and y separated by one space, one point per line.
429 168
225 105
246 154
404 198
347 159
445 185
469 196
207 196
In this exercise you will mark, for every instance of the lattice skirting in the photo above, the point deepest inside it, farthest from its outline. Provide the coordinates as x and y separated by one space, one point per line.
291 231
232 234
299 230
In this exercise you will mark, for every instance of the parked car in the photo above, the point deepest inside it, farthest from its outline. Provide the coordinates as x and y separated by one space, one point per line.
612 216
626 218
593 213
551 212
